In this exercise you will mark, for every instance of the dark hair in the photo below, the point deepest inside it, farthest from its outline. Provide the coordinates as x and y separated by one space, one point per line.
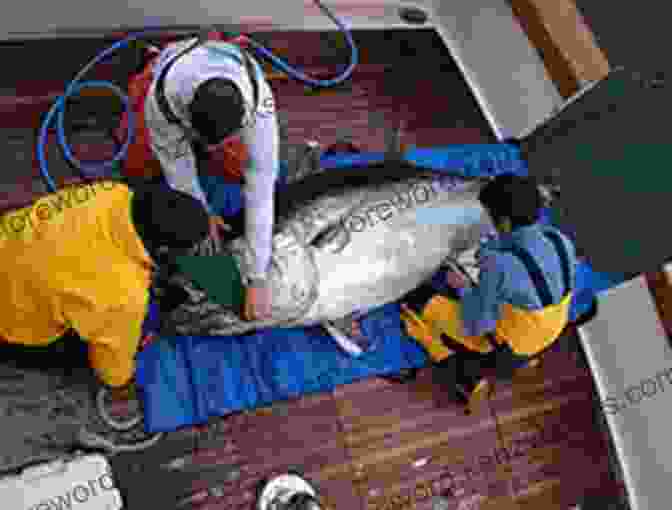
217 110
514 197
166 218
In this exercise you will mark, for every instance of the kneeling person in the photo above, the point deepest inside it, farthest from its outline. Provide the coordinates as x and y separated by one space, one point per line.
521 304
88 267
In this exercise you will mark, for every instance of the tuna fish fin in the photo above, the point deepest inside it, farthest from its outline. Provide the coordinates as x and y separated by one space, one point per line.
345 343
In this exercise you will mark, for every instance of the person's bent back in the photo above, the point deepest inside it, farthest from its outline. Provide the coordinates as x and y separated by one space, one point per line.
82 259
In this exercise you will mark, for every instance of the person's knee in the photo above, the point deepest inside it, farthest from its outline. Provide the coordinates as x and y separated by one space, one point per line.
113 372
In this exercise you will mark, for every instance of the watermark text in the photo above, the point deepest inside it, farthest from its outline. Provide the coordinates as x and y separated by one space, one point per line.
45 209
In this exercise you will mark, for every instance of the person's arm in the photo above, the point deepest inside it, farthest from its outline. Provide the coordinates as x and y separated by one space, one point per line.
481 303
262 141
113 336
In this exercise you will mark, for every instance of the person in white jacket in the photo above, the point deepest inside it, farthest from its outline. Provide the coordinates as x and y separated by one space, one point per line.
203 95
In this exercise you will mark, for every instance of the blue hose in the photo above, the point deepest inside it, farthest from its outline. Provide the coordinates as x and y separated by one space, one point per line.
58 109
298 75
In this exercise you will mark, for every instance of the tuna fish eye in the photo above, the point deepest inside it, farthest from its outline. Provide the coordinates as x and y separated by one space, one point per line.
321 238
334 239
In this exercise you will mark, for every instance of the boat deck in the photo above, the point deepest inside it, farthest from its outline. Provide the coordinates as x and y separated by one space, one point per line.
370 445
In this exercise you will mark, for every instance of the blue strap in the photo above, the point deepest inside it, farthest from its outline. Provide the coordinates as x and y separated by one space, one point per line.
535 272
561 250
537 276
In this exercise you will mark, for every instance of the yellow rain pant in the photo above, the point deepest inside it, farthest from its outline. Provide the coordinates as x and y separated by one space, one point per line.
527 332
73 260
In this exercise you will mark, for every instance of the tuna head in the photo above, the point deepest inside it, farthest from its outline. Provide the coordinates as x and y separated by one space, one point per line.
391 240
356 239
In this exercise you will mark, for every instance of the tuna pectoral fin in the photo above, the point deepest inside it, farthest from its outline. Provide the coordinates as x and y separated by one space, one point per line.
343 341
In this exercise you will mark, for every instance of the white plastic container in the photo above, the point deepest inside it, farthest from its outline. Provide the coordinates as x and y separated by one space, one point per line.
81 483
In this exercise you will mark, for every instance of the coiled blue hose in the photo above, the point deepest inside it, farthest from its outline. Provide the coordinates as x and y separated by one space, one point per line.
58 110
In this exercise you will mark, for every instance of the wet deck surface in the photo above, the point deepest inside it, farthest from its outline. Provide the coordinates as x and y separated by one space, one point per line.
383 446
371 445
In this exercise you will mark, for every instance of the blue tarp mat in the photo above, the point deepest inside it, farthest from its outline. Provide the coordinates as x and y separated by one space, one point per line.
187 380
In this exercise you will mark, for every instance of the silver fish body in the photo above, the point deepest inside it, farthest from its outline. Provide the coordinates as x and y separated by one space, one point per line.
349 241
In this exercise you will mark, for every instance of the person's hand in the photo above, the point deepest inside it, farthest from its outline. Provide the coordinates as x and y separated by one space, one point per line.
456 280
257 302
218 224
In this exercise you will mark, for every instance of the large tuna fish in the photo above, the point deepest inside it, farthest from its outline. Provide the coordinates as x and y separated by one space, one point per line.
350 240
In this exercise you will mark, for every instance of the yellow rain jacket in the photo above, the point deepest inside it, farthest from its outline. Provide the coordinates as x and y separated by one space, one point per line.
73 260
527 332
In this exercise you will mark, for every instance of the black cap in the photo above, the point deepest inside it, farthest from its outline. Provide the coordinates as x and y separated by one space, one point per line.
217 110
512 196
